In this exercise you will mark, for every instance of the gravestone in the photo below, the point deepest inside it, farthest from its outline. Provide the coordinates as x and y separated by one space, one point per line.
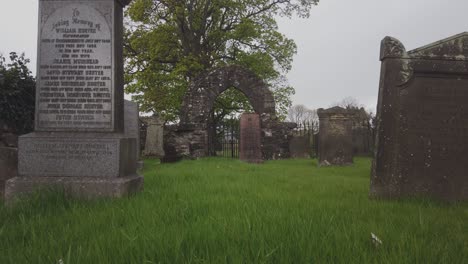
154 137
300 146
8 166
132 126
78 143
335 146
250 138
422 121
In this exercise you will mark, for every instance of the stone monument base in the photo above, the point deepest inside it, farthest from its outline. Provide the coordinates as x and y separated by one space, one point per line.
82 187
83 164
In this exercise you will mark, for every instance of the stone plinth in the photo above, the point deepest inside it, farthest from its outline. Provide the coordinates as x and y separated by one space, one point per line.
250 139
8 166
79 142
335 146
422 125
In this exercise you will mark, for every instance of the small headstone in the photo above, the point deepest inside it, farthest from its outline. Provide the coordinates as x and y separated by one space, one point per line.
422 124
250 139
78 143
335 146
154 146
300 147
8 166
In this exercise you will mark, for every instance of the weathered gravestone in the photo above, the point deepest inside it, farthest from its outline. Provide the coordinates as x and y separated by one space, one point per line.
300 146
335 146
422 121
8 166
154 137
250 139
132 126
79 143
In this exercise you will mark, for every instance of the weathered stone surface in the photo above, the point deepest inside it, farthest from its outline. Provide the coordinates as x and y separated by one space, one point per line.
335 145
79 66
300 147
250 138
8 166
86 155
132 123
79 142
422 125
154 137
83 187
9 140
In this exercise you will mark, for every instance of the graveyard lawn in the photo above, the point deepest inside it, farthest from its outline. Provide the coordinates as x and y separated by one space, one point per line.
218 210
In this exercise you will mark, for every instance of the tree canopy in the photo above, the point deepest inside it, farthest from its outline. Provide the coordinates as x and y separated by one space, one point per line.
17 93
170 42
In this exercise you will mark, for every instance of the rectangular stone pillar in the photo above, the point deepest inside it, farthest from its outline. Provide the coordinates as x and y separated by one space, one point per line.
79 142
250 141
335 145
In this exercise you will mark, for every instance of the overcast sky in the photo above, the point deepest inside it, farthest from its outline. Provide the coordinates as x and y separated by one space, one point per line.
338 45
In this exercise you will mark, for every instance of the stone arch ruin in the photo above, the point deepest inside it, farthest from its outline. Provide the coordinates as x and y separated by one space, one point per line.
189 138
202 93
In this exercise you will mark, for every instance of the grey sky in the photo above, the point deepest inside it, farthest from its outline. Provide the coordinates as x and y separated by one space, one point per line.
338 46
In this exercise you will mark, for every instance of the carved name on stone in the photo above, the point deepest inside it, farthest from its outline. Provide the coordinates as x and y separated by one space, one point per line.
75 72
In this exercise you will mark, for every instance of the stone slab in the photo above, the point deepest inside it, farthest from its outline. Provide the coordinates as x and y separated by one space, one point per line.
8 166
132 123
82 187
335 146
300 146
80 66
422 121
154 145
85 154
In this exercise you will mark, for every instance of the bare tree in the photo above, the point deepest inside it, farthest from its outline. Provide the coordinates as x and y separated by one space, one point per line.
296 114
305 118
348 103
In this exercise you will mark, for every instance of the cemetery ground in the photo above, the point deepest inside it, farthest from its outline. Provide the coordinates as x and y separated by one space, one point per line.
219 210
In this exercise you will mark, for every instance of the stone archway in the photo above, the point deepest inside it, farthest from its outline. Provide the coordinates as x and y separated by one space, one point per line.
190 137
202 93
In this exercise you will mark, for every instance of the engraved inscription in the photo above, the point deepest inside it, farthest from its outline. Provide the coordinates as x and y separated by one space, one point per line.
74 150
75 72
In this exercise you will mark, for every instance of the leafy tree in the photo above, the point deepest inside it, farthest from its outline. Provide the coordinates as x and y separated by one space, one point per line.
172 41
17 93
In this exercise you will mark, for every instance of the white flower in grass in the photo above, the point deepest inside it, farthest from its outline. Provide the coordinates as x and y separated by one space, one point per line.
375 240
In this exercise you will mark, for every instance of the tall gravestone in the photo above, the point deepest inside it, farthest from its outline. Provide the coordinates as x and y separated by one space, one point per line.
422 121
335 145
79 143
250 138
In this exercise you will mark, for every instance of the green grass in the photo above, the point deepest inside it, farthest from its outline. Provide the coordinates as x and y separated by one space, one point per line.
226 211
